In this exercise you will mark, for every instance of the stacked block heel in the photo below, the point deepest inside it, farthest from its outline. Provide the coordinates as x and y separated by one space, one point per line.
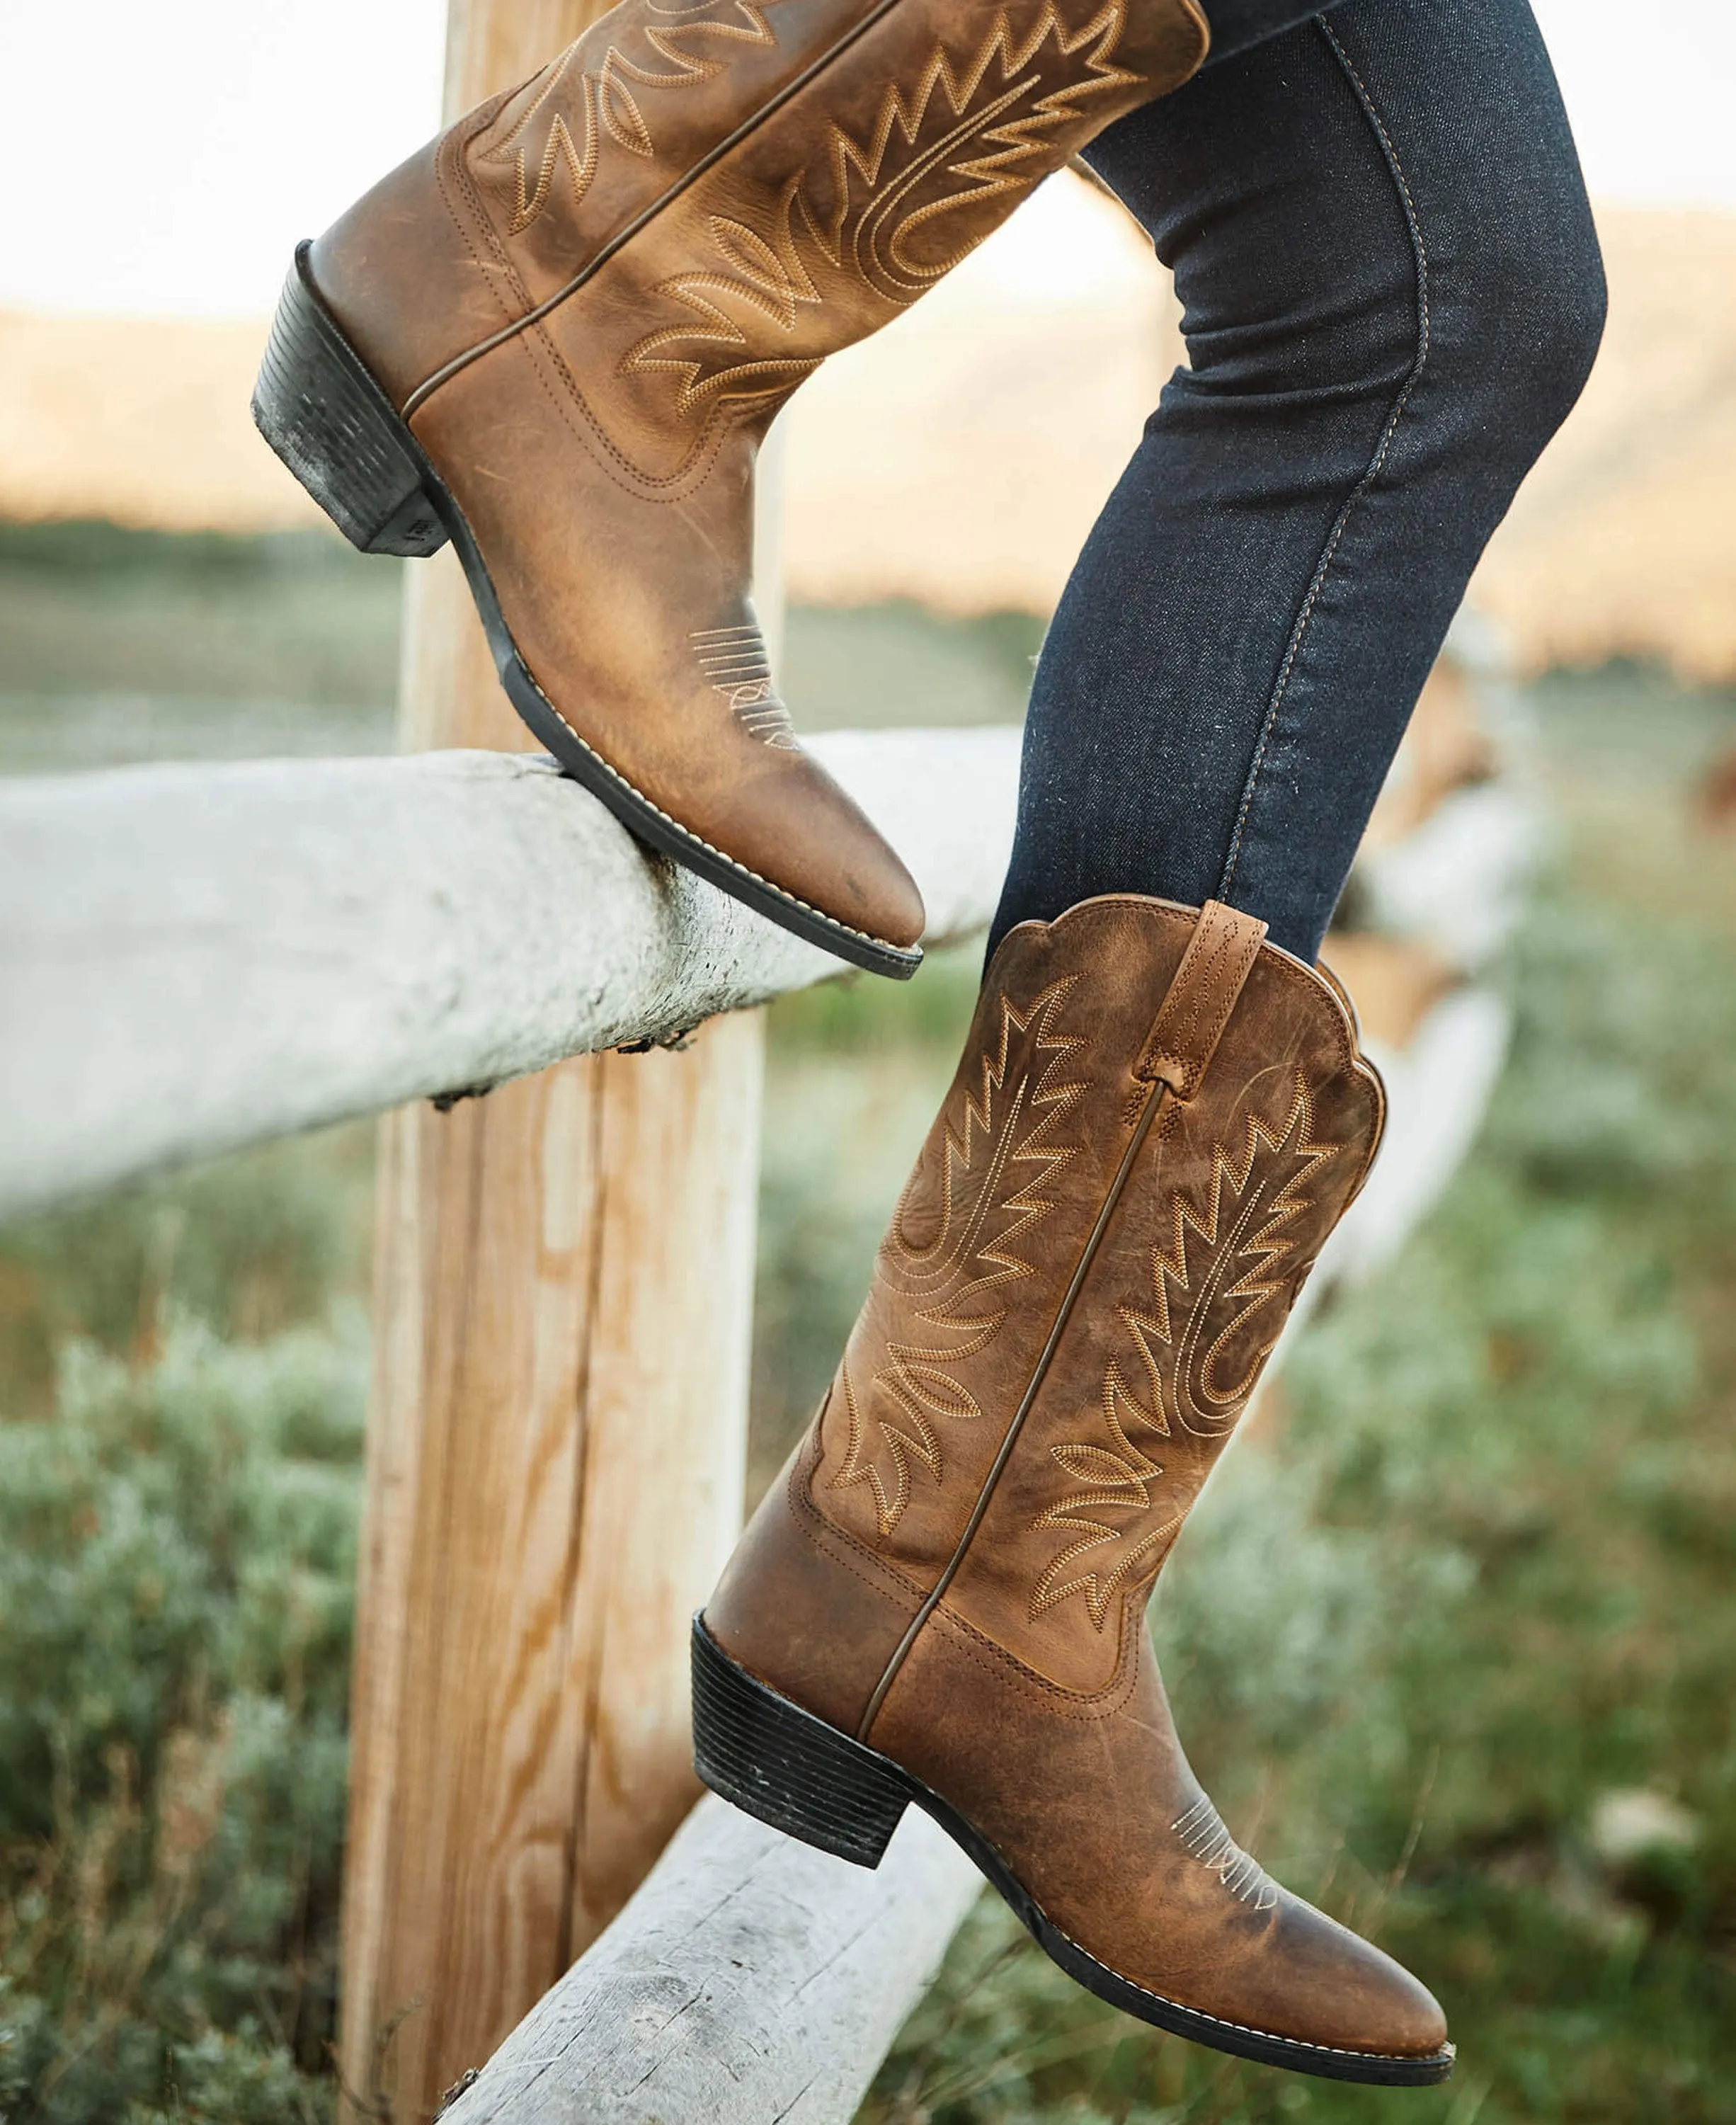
318 406
772 1759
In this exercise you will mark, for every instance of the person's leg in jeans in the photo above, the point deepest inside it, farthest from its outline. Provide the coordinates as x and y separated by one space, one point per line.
1392 296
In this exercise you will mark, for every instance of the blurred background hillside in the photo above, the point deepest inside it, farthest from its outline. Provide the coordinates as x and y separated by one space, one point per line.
1452 1639
1003 407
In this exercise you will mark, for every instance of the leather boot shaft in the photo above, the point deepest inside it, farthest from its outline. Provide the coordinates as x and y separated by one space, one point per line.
1087 1272
814 164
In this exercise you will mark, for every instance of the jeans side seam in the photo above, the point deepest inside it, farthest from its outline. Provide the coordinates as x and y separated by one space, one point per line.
1298 633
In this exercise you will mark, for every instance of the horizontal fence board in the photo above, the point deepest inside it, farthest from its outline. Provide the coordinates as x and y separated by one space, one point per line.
196 958
751 1980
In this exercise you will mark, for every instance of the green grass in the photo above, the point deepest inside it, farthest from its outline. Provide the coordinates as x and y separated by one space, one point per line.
182 1372
123 646
866 667
177 1553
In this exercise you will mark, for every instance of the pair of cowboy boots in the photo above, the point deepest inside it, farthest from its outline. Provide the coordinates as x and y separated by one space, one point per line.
555 336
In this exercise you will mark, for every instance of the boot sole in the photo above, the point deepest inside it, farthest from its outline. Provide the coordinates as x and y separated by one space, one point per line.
774 1761
321 410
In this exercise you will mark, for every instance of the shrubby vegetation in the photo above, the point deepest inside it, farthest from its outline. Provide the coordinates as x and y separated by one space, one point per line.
176 1561
178 1506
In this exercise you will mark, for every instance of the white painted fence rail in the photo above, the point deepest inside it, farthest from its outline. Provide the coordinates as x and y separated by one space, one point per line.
194 958
751 1980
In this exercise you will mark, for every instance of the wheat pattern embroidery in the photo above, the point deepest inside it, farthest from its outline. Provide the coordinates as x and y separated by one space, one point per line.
607 107
995 1161
1226 1260
983 127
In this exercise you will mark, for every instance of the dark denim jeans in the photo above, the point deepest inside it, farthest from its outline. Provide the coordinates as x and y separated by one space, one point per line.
1392 295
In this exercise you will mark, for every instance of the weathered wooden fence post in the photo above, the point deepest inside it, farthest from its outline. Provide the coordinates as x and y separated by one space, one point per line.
562 1299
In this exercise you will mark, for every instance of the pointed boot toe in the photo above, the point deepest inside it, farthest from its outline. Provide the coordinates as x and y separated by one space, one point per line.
786 815
1349 1993
1158 1120
557 335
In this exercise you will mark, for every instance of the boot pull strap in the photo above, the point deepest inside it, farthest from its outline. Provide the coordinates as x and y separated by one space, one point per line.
1191 1020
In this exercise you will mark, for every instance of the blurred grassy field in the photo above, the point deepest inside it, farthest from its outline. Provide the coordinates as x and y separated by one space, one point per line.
119 646
1452 1640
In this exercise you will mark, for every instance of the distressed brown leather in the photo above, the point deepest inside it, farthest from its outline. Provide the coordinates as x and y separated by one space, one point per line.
1158 1120
603 454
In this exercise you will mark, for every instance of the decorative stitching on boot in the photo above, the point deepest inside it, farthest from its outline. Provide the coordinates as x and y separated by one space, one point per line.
876 13
1057 1700
608 106
865 232
687 833
1225 1259
954 1282
736 665
1205 1839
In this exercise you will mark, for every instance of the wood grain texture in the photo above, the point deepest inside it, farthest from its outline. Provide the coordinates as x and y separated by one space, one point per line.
563 1291
492 44
564 1295
750 1981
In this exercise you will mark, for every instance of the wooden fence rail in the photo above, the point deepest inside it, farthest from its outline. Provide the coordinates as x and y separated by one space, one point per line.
194 958
750 1981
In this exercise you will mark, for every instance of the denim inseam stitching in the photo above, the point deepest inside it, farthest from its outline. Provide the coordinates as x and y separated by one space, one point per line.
1299 633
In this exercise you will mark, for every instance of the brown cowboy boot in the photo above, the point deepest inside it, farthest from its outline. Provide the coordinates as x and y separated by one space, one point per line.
557 335
1158 1120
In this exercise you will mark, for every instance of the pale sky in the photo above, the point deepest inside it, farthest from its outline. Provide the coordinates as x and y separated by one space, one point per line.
164 156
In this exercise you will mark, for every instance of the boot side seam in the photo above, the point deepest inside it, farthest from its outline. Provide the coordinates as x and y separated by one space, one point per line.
526 326
480 217
535 346
1158 1100
454 148
528 329
693 473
